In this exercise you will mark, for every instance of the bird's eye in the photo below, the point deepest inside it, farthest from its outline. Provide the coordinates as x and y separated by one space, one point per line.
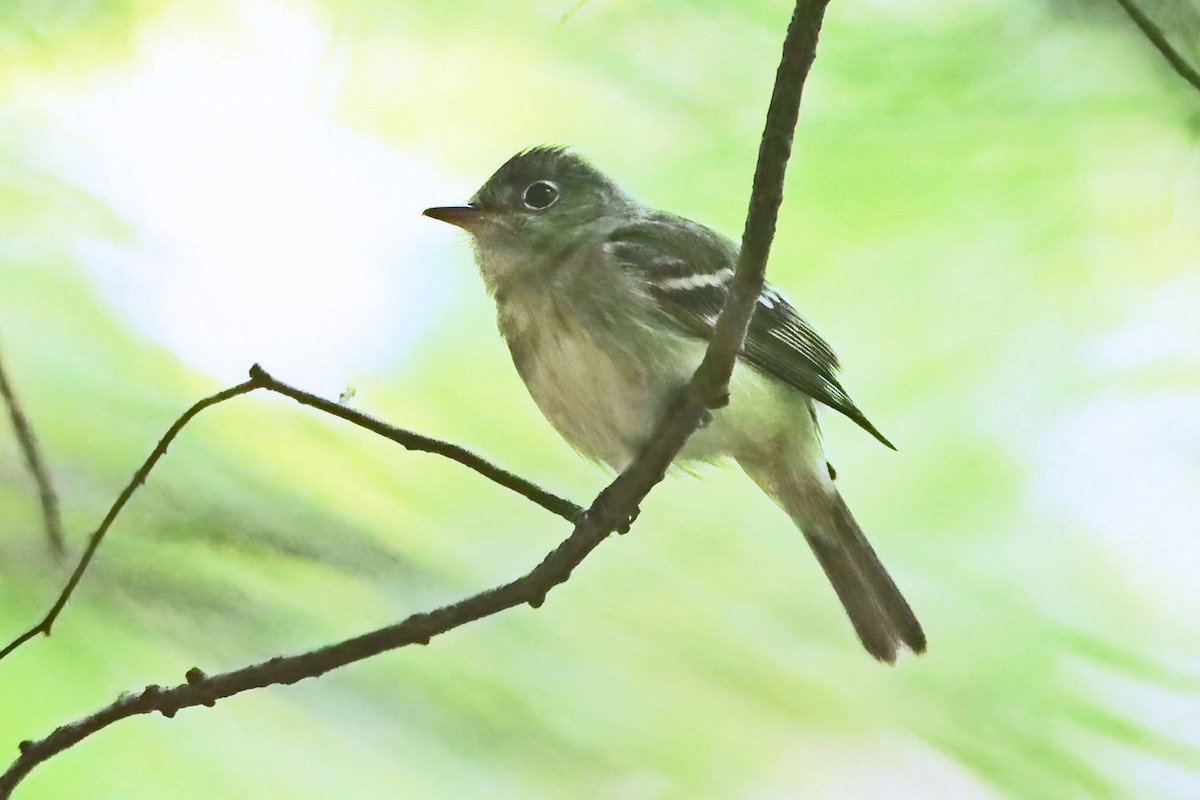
540 195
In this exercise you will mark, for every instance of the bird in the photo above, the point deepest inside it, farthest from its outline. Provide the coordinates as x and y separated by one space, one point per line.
607 307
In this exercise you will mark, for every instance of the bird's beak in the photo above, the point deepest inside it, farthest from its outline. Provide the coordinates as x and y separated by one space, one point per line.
466 217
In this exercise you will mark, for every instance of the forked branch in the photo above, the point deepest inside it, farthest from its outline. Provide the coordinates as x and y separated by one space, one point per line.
261 379
612 509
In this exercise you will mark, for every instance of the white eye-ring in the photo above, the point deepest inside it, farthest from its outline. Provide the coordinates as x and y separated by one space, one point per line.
540 195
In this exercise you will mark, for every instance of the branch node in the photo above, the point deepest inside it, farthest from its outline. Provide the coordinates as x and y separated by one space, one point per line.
157 699
617 504
25 746
420 623
194 676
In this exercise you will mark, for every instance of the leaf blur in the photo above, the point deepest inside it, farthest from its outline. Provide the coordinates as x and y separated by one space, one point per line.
992 213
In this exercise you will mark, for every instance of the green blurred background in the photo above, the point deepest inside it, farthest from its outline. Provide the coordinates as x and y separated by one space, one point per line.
993 213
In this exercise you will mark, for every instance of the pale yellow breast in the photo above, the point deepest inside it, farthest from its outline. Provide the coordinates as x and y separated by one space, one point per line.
601 397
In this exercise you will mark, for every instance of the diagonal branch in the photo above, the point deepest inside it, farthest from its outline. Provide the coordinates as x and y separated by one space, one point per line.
37 468
709 387
613 508
1159 39
139 478
260 379
200 689
425 444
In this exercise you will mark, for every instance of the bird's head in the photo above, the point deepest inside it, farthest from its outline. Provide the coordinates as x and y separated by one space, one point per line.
540 204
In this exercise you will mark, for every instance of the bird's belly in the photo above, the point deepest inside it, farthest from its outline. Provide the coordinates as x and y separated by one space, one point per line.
606 393
603 399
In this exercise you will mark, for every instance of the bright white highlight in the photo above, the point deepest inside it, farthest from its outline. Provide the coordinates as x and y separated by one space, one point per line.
699 280
262 229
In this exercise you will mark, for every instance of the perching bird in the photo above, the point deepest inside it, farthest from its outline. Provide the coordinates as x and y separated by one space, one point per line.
607 307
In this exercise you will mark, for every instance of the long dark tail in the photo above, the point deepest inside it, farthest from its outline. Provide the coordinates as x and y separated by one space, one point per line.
880 614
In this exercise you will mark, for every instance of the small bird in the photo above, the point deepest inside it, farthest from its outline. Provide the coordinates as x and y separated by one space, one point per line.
607 307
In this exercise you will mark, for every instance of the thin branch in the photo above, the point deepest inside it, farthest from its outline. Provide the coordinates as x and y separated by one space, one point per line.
200 689
709 387
613 507
37 467
139 478
260 379
424 444
1159 39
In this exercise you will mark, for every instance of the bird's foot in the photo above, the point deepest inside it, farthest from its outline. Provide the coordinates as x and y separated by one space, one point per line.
620 527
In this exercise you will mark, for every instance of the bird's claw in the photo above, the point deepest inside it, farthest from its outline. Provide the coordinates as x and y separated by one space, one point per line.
621 528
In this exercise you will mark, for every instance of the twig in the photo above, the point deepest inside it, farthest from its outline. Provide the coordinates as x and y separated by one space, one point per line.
709 387
613 507
1161 43
139 478
33 458
260 379
424 444
200 689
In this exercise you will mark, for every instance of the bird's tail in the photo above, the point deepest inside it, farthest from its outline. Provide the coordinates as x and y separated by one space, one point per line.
880 614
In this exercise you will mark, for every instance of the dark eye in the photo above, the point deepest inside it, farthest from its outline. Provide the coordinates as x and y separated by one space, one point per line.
539 195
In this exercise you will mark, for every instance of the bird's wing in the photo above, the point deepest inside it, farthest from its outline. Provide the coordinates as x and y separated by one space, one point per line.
686 268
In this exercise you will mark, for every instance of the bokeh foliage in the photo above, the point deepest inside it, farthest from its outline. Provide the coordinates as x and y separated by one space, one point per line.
992 212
